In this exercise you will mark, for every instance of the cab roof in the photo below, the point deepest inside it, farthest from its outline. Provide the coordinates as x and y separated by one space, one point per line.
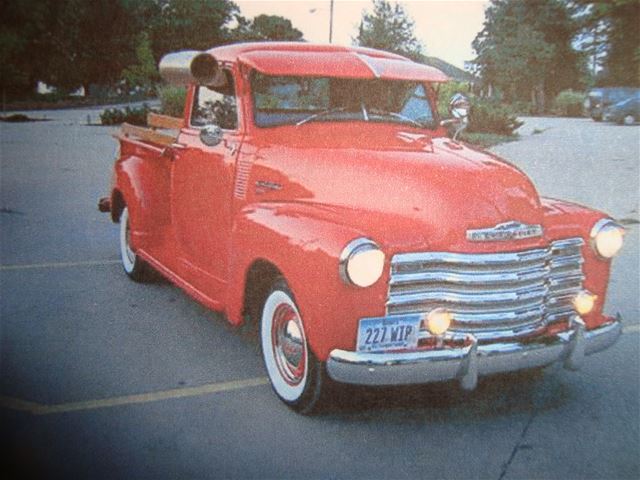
317 60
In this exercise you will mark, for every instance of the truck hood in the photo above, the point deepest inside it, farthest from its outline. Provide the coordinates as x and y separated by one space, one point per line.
395 185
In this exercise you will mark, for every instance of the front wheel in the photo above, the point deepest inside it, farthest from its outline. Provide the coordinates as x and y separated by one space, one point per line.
629 119
296 375
133 265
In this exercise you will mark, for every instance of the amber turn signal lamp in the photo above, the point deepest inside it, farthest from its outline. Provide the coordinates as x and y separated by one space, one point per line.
438 321
584 302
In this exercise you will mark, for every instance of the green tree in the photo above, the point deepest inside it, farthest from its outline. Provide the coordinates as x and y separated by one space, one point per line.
265 28
90 42
144 73
525 50
274 27
191 24
22 46
610 36
69 43
389 28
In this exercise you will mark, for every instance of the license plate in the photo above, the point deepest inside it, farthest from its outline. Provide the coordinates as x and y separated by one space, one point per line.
380 334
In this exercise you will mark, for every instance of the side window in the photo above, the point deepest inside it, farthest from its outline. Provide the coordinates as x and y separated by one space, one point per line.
216 106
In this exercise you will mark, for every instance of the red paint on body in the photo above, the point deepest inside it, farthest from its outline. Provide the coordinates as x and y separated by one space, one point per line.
296 196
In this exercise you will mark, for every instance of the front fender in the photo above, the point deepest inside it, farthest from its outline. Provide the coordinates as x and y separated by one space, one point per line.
304 243
566 219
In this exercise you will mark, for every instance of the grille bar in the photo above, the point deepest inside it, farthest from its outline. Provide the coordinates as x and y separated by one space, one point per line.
514 292
565 278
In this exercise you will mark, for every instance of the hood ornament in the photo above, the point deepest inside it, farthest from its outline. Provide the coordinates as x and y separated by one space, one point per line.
504 232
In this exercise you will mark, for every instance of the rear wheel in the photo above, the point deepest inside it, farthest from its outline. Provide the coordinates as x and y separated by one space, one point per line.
629 119
133 265
296 375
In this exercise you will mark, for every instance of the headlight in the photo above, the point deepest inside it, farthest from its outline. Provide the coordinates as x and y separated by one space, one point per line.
361 262
606 237
584 302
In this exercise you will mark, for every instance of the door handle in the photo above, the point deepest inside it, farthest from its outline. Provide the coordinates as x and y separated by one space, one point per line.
232 147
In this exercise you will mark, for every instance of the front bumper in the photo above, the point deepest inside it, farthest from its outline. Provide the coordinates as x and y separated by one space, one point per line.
474 359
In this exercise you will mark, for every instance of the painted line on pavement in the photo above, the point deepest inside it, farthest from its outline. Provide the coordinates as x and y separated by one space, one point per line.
635 328
19 405
33 266
210 388
40 409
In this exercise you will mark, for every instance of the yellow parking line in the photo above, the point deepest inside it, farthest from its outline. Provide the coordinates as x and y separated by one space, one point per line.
39 409
19 405
88 263
631 328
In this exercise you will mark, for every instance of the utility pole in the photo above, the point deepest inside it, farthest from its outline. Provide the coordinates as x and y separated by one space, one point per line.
331 21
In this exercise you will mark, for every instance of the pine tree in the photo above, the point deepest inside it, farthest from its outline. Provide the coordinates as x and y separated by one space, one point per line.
389 28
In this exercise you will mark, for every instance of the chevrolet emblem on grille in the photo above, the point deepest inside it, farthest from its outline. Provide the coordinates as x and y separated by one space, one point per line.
504 232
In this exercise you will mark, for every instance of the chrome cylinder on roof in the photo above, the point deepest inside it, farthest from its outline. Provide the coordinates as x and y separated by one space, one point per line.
191 66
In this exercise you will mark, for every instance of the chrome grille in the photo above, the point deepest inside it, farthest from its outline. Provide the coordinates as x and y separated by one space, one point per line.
565 278
513 293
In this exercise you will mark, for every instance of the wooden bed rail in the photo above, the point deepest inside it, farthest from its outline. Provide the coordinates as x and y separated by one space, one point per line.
156 120
152 135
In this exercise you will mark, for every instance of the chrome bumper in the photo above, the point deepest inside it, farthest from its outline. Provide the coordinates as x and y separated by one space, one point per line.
473 360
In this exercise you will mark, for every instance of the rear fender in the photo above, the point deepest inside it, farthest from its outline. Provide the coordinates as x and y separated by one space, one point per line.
144 186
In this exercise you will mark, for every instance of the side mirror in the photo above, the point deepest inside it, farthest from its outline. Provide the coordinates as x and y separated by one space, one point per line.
459 106
211 135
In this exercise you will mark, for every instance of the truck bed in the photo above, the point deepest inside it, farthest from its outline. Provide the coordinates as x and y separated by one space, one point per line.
162 131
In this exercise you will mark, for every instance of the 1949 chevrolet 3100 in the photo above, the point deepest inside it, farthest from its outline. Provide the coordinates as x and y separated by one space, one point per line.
313 190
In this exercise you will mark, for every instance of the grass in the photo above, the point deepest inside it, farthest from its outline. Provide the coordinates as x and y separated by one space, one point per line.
486 140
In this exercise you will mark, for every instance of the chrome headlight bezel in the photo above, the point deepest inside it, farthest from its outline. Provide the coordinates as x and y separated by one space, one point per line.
602 227
350 253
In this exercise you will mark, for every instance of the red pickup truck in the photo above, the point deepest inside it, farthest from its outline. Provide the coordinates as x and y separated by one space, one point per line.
312 191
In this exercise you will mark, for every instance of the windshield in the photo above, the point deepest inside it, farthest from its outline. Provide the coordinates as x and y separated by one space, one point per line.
282 100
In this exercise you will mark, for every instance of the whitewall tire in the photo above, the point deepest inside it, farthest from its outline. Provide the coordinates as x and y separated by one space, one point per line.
295 374
133 265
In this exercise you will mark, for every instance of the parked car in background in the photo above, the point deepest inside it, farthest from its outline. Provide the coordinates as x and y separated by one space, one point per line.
598 99
626 112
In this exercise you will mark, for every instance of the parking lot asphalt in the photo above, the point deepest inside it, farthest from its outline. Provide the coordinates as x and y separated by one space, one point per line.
104 378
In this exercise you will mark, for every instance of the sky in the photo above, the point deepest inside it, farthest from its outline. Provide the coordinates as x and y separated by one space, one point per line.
446 27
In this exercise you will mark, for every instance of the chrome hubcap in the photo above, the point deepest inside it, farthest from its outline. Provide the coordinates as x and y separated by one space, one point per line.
289 348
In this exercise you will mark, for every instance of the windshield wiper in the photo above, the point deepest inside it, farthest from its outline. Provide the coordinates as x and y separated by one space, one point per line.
320 114
399 116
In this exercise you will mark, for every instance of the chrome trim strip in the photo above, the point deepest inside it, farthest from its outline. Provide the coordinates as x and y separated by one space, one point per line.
567 243
488 259
470 278
485 319
469 362
363 59
481 298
